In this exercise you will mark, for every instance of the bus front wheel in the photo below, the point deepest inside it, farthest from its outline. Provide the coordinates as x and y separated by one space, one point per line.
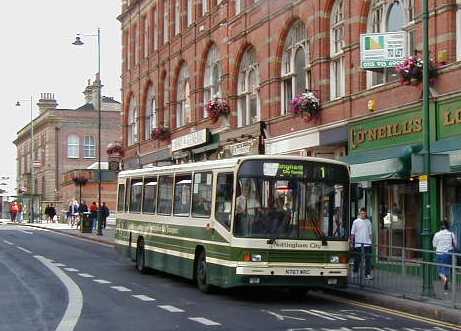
201 273
140 257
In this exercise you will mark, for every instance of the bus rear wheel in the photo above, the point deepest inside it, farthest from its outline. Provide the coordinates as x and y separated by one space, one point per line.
201 273
140 257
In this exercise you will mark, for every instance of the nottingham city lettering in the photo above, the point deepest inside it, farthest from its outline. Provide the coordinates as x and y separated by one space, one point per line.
361 136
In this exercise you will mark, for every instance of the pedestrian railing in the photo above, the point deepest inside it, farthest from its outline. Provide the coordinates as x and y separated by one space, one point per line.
407 272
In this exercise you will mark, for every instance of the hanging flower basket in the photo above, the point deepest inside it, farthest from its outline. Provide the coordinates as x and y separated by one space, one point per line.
411 71
160 133
79 180
114 149
306 103
217 107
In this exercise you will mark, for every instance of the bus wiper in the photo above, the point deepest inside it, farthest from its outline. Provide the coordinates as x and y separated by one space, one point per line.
320 235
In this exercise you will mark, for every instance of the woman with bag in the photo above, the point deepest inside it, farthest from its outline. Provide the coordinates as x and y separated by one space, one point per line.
445 245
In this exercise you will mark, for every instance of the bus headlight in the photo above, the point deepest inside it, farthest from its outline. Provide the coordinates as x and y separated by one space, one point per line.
334 259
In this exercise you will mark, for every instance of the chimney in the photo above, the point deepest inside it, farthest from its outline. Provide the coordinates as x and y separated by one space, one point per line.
91 93
46 102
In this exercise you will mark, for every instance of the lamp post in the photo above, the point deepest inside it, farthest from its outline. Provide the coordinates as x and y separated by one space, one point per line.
32 180
78 42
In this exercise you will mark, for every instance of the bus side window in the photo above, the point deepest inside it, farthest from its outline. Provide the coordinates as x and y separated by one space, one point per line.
224 193
150 195
121 197
182 192
136 195
201 194
165 195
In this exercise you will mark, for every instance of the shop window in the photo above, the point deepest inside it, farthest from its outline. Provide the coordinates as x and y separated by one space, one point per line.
295 64
451 204
121 198
182 195
165 194
399 218
150 195
135 195
248 89
224 194
201 196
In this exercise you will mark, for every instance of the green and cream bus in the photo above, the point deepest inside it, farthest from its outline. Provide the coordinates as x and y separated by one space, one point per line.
247 221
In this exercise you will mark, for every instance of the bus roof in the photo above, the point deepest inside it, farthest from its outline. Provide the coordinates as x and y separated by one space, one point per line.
219 164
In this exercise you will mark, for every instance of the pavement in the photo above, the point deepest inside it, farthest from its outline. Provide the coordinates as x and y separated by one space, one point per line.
361 295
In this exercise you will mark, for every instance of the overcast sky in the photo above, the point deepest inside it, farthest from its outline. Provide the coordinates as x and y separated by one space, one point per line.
37 56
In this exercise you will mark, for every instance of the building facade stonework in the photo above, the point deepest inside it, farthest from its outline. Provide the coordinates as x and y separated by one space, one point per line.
260 55
64 140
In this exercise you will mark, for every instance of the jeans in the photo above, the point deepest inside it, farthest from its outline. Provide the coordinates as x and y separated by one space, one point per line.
358 259
444 258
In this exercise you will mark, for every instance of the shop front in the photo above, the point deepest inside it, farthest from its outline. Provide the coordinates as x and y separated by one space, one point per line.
381 150
198 145
242 141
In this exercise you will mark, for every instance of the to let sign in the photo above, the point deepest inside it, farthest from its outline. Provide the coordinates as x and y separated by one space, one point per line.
189 140
382 50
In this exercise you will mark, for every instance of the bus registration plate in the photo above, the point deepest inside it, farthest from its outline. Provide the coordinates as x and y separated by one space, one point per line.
297 272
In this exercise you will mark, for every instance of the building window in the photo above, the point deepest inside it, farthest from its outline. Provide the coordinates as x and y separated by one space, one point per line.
177 17
248 89
146 37
89 147
155 28
165 21
166 100
390 17
295 68
73 147
337 79
189 12
183 103
239 6
212 77
136 44
458 31
204 7
132 122
151 113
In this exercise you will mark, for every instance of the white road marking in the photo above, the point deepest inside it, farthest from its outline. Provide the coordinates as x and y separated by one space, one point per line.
59 264
71 269
171 309
121 288
86 275
23 249
23 231
204 321
310 313
143 297
8 242
74 294
101 281
332 315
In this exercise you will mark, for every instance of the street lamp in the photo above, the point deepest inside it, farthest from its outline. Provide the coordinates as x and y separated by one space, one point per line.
32 180
79 42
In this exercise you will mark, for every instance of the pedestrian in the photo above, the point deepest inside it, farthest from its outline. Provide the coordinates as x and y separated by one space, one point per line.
52 213
93 214
13 211
75 214
445 244
82 210
20 215
361 241
105 214
47 213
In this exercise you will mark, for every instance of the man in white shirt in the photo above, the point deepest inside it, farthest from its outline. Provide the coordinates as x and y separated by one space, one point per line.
362 236
444 243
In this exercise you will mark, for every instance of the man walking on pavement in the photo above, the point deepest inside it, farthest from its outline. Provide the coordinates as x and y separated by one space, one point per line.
361 237
445 244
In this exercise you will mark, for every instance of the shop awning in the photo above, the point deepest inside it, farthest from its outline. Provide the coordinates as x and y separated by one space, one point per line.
394 162
206 148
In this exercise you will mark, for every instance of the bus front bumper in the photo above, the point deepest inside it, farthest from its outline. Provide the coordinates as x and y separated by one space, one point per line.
296 271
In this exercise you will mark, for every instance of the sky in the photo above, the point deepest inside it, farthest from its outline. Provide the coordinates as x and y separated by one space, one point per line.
37 56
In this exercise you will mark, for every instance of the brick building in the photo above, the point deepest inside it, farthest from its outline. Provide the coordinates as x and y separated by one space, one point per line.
64 140
258 55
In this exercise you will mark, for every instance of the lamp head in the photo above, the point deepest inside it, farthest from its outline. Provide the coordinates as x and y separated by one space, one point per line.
18 104
77 41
